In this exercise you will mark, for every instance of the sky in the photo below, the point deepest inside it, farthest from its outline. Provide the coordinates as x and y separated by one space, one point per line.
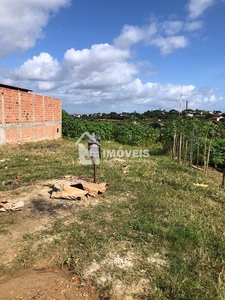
116 55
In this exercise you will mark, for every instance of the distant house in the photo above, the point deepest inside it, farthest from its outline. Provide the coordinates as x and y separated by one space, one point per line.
216 119
76 115
217 112
26 117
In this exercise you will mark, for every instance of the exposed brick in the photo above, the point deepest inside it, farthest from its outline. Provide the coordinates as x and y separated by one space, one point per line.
48 109
11 106
29 117
39 133
1 118
12 136
49 130
26 101
57 131
28 134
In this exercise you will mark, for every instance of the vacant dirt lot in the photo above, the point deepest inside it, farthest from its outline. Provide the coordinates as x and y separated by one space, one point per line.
42 279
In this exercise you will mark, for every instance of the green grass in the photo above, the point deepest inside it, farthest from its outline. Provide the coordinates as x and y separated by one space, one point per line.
4 224
152 216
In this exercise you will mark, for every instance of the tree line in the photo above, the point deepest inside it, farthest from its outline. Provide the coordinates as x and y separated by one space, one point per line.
188 140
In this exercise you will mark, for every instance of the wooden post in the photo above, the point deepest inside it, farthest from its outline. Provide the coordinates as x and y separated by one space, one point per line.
191 148
95 173
223 179
94 151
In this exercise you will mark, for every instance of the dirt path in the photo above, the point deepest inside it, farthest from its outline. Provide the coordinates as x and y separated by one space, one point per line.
41 281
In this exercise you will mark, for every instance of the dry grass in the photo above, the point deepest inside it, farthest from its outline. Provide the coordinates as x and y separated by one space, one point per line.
152 235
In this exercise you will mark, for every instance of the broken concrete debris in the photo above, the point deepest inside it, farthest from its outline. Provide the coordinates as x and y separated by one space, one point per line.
65 191
6 205
77 190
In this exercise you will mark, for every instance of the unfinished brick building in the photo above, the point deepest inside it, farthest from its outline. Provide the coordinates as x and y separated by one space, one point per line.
27 117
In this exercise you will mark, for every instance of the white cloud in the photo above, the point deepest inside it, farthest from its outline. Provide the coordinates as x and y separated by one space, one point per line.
136 95
100 66
133 34
98 54
197 7
193 26
46 86
115 74
161 34
109 87
168 44
42 67
103 77
172 27
22 21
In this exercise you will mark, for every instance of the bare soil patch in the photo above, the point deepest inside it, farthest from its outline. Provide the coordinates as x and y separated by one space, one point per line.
43 280
44 283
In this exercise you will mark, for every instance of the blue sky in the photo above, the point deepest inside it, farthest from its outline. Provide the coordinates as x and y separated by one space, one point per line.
127 55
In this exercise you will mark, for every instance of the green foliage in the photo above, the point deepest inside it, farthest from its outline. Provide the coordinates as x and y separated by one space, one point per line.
218 152
74 128
135 134
124 132
186 138
169 231
194 140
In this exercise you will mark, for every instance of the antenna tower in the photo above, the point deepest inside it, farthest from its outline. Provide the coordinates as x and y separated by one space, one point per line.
181 101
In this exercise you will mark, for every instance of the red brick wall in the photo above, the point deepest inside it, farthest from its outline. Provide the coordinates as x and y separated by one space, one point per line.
57 111
26 102
40 133
49 109
28 134
0 108
29 117
11 107
12 135
39 110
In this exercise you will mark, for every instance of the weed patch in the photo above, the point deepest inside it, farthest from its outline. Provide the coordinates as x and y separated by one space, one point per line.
152 235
